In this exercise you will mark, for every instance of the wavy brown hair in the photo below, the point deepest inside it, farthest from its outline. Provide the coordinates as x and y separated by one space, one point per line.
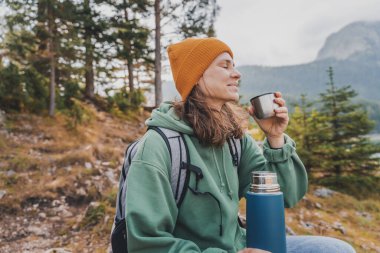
210 126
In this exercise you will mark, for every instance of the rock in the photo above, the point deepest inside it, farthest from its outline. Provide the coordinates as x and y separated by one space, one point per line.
81 192
2 118
111 177
42 215
38 231
323 192
339 227
88 165
106 163
307 225
343 214
57 250
289 231
2 193
318 205
362 214
11 173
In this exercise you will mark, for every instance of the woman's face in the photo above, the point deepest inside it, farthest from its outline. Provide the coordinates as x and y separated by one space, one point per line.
219 83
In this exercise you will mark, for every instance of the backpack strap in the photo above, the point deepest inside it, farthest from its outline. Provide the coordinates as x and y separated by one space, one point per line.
179 157
120 202
235 150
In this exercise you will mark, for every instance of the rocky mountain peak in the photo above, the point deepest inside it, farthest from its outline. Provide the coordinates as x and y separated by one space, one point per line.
352 40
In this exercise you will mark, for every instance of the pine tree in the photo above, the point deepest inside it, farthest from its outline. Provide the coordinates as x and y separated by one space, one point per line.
307 126
346 149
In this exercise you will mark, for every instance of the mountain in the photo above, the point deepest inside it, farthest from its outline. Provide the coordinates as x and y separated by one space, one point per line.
353 52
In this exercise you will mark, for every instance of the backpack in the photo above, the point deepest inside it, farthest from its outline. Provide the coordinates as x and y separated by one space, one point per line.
178 151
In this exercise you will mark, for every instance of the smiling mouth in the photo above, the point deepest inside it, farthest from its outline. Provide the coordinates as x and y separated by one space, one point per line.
233 84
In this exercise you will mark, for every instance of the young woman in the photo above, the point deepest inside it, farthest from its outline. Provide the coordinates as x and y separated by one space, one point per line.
205 76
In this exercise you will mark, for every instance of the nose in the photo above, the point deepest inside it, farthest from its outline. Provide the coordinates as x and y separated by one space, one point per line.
236 74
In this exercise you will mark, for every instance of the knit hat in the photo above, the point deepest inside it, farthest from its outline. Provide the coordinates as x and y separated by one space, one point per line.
190 58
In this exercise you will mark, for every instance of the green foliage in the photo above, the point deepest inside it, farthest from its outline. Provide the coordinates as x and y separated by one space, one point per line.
12 95
74 44
70 94
345 146
307 126
127 101
334 137
361 187
77 114
36 90
198 17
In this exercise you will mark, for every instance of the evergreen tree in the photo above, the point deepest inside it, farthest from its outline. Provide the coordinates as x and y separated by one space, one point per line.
345 146
130 39
308 127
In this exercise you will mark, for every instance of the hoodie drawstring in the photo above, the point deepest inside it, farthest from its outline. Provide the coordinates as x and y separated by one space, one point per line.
198 176
225 173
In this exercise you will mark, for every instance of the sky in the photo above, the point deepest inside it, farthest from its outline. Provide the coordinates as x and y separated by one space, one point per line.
286 32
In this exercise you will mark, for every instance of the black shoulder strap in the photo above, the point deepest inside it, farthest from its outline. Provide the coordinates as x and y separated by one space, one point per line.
235 150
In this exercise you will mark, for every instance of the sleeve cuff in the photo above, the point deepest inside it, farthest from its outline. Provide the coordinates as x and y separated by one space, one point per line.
280 154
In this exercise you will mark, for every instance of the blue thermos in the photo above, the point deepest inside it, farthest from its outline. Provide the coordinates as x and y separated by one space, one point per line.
265 213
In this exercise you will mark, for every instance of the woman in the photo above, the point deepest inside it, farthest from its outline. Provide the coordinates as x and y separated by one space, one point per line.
207 81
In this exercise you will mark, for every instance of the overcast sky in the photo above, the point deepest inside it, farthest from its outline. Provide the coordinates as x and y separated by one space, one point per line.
286 32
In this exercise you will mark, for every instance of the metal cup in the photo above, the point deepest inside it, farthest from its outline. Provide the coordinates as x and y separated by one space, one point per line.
264 105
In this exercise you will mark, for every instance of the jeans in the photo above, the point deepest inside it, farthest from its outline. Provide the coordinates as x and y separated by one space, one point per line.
316 244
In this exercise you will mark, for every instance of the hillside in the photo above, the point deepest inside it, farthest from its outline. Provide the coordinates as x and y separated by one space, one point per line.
58 187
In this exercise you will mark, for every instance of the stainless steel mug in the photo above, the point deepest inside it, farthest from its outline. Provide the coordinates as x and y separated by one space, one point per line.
264 105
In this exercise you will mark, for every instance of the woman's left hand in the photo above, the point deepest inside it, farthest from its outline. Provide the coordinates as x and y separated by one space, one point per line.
274 127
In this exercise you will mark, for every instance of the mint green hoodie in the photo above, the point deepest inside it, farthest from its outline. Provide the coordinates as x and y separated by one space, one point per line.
154 222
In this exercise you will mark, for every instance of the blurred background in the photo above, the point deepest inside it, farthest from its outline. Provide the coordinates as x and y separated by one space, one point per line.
79 78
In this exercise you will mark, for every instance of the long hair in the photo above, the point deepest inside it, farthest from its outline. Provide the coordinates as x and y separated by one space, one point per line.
210 126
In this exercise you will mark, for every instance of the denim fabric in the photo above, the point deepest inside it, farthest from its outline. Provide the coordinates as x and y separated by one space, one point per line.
317 244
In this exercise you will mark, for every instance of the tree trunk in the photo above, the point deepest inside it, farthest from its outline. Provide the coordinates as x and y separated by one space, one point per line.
89 58
127 45
157 61
89 69
130 76
52 60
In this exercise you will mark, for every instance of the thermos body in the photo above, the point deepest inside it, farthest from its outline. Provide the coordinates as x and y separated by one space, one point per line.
265 213
266 222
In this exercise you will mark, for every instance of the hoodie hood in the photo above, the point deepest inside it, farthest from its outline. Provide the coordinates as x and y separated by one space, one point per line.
165 116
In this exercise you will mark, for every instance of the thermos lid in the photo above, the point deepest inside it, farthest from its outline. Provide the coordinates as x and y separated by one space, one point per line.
264 182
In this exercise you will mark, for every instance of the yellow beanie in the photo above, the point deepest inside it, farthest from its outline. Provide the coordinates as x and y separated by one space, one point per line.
190 58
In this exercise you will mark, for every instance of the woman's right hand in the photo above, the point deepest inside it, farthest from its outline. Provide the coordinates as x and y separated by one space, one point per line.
251 250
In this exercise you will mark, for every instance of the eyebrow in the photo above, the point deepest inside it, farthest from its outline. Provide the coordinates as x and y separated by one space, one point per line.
230 62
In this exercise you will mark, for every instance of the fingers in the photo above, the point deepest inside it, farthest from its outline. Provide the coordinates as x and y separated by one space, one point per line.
280 101
278 94
282 112
251 110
